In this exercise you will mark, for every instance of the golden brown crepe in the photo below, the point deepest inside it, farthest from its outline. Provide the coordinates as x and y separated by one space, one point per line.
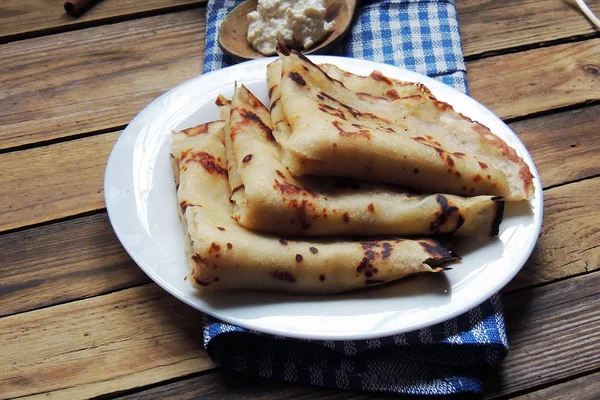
224 255
415 141
267 198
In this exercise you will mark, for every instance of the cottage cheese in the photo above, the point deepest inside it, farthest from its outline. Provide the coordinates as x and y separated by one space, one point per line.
294 23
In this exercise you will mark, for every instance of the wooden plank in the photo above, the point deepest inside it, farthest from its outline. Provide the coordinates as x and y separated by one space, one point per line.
538 80
554 333
568 136
101 345
224 385
53 181
492 25
585 388
31 16
60 262
569 241
46 93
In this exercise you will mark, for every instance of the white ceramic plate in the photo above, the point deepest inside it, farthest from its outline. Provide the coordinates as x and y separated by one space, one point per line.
141 201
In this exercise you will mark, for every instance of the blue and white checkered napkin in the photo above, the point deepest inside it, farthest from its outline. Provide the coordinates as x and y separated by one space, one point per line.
447 358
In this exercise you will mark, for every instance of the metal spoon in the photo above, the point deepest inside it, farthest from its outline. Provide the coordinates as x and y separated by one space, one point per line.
234 29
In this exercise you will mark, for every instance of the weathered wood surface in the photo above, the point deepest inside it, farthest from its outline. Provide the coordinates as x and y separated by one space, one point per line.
55 181
567 215
557 141
60 262
83 349
94 79
47 95
28 17
486 26
550 78
491 25
585 388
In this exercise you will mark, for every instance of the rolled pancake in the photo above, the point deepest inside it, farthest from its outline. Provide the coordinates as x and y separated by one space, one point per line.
267 198
224 255
415 141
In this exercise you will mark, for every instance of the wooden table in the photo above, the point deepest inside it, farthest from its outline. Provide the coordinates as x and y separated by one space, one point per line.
79 319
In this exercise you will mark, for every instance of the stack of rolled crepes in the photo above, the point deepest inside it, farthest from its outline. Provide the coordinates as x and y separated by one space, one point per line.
340 185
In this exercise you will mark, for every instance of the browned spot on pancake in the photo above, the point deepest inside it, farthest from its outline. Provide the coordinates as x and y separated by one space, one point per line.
321 278
346 217
385 129
459 154
220 228
354 112
332 111
447 209
359 133
273 106
283 276
482 165
459 222
416 171
247 158
296 77
196 130
387 250
477 178
240 187
457 174
283 242
371 208
214 248
304 67
271 89
206 160
379 77
450 161
280 173
488 176
392 94
334 144
314 250
222 101
200 282
299 258
184 205
438 254
198 259
288 189
251 117
229 246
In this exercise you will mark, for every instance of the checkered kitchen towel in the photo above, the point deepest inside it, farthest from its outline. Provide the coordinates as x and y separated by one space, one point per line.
447 358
